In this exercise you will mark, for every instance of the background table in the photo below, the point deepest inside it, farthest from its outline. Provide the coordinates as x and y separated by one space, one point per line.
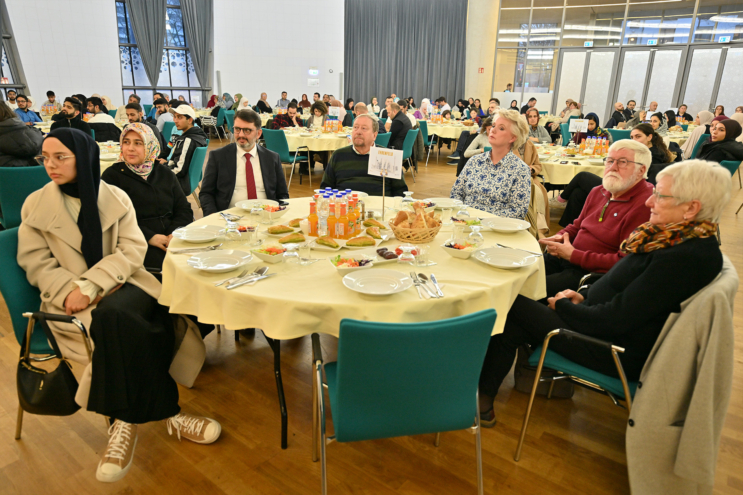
557 173
325 142
448 131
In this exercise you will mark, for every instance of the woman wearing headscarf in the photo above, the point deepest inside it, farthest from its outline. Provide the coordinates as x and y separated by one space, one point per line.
263 105
243 104
659 124
461 107
422 112
567 107
723 145
212 102
229 102
738 117
87 260
704 118
594 130
515 106
238 97
304 102
158 199
107 102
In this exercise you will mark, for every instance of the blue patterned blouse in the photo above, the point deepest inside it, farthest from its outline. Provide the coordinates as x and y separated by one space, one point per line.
503 189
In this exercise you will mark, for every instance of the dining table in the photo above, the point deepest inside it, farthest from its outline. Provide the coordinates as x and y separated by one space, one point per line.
448 130
316 141
559 168
301 300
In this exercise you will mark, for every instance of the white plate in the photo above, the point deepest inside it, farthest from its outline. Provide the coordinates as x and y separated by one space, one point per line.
508 259
377 242
198 234
441 203
269 258
377 282
109 157
306 134
219 261
505 225
318 247
250 203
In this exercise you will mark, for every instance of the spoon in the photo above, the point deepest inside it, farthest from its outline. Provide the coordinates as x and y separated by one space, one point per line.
425 281
195 250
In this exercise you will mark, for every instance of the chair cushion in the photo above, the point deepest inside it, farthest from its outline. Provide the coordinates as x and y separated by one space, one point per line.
331 377
559 363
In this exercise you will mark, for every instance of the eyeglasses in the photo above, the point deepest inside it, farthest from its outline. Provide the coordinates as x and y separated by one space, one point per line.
41 159
243 130
622 163
659 196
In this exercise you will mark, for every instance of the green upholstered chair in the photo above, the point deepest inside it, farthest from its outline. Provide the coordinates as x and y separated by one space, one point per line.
383 139
16 183
407 150
618 134
698 146
428 141
275 140
168 130
196 171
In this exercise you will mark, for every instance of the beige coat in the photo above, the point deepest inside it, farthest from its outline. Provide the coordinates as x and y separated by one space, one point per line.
49 251
673 433
539 199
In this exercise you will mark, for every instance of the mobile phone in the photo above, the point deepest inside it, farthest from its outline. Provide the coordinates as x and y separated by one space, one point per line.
283 203
564 162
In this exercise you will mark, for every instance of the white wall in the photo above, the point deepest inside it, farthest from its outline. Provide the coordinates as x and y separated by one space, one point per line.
482 26
270 46
76 50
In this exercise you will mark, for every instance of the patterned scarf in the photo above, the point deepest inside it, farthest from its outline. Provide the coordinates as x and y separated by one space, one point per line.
649 237
151 148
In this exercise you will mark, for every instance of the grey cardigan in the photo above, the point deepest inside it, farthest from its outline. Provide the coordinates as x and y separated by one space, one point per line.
475 146
540 133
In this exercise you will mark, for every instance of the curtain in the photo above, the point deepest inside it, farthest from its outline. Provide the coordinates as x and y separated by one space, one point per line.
407 47
148 24
197 23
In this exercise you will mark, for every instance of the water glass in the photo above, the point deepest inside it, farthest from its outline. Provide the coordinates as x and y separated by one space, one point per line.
304 253
291 255
475 238
446 215
457 232
266 217
421 258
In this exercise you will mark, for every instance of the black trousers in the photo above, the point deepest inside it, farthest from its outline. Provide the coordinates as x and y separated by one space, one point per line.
576 194
134 343
561 275
528 322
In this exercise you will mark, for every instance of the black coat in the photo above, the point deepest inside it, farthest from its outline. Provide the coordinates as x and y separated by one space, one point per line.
184 146
218 185
75 123
729 149
105 131
19 143
399 129
159 202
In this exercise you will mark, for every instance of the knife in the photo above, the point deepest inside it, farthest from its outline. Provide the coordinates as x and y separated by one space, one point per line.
436 284
249 280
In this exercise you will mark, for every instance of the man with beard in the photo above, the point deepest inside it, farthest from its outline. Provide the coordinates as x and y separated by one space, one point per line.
71 116
242 170
135 113
612 211
11 99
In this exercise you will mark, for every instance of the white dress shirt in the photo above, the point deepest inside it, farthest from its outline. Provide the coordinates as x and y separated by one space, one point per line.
241 182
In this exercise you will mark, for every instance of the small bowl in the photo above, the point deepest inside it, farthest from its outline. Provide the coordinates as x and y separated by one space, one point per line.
343 270
268 258
462 254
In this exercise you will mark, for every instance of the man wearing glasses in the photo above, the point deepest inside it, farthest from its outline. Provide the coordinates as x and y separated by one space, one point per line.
242 170
612 211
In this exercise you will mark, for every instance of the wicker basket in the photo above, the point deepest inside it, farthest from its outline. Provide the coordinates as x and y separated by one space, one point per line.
415 236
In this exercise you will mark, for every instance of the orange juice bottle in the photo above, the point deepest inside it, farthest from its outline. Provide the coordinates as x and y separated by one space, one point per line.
332 220
582 146
341 226
312 218
351 218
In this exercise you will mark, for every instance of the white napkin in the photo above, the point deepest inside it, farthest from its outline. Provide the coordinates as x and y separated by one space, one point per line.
431 287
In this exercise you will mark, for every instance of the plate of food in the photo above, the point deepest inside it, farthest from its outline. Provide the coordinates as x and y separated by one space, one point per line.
198 233
325 244
219 261
295 238
441 203
458 250
249 204
280 230
270 254
505 258
505 225
379 256
467 222
377 282
345 264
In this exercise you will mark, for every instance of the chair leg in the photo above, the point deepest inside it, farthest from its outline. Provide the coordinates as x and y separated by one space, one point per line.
429 153
196 198
517 456
321 424
289 184
741 206
19 422
478 445
315 419
740 182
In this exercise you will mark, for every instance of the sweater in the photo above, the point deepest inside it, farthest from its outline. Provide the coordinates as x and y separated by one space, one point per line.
604 223
477 146
347 169
75 123
540 133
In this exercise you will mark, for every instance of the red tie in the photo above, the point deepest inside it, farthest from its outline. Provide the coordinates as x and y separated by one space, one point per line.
250 178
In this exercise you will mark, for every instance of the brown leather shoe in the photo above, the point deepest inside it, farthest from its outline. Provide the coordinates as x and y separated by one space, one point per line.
118 456
195 428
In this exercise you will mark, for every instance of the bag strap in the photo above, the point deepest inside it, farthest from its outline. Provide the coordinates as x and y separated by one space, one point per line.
41 317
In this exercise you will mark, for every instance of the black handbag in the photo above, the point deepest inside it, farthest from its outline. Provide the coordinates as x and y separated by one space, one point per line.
49 393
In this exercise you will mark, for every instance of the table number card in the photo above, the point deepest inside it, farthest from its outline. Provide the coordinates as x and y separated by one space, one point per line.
578 125
385 163
334 111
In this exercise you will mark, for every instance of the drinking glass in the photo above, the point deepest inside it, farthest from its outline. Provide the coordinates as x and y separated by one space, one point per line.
462 213
291 255
475 238
457 232
304 253
446 216
266 217
421 258
407 201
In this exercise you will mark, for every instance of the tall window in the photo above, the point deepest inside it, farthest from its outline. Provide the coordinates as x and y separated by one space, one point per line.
11 73
177 76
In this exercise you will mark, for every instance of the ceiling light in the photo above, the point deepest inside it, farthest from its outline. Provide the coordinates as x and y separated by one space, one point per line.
726 20
581 27
658 25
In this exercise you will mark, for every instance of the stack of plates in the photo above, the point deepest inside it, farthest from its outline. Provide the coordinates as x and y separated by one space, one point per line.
198 234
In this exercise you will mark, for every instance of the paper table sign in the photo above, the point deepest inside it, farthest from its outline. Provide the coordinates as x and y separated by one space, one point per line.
334 111
578 125
385 163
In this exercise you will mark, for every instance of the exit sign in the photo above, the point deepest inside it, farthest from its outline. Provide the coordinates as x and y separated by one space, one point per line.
724 39
481 70
652 42
588 44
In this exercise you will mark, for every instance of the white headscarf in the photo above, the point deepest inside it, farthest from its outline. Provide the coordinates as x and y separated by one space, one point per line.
244 105
425 104
738 117
705 117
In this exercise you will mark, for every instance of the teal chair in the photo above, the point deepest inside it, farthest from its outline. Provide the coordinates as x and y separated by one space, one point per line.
382 122
168 130
112 113
407 150
733 166
92 134
618 134
220 121
428 141
378 388
698 146
565 133
685 127
16 183
616 388
196 171
275 140
147 109
229 118
383 139
543 113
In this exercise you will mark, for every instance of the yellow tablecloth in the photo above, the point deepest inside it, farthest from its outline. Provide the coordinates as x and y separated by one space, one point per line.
447 131
326 141
543 119
301 300
679 138
558 173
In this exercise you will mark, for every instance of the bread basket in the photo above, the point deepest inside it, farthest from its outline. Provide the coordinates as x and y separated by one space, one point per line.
415 236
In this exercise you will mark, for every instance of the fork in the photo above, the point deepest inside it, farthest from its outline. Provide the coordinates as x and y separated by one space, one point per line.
419 283
195 250
244 272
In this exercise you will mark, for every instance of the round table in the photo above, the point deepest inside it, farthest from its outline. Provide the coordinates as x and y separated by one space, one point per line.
301 300
679 138
326 141
561 173
545 119
447 131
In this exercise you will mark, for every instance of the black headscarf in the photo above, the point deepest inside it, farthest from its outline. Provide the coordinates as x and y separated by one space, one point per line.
87 156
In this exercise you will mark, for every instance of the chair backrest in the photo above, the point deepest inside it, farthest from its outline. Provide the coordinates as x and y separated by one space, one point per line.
105 131
16 183
383 139
112 113
92 134
147 109
196 168
565 132
407 145
572 117
618 134
168 130
220 117
19 295
685 127
423 126
276 142
385 390
382 122
698 146
543 113
229 116
731 165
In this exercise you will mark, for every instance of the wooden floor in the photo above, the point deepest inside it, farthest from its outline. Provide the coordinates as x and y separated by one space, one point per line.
574 445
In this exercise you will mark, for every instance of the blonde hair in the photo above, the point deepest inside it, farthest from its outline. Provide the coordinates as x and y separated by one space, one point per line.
708 182
394 107
519 127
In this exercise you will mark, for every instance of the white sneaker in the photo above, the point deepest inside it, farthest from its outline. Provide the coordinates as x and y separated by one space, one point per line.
118 456
195 428
555 203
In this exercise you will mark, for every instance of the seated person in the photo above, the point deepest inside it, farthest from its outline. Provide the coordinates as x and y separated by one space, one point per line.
661 155
319 114
594 130
100 116
630 304
135 114
398 124
348 119
185 144
682 115
158 199
86 260
362 109
242 170
612 211
71 116
723 145
478 145
121 111
262 105
703 121
573 111
19 143
498 182
404 109
537 133
347 168
385 112
618 115
163 113
289 119
660 126
24 111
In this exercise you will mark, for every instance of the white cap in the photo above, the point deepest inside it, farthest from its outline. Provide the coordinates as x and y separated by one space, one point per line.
184 109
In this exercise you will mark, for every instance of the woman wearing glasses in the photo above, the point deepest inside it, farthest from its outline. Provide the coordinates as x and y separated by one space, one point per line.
664 261
79 243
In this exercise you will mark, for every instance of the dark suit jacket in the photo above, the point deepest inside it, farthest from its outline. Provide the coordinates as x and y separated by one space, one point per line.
219 178
399 129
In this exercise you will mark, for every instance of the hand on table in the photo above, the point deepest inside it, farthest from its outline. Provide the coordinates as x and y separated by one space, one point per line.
559 245
573 296
160 241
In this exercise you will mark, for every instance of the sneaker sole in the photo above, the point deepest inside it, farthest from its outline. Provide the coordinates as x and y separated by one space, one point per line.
108 478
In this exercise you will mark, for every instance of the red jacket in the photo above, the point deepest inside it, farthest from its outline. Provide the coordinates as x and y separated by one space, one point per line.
604 223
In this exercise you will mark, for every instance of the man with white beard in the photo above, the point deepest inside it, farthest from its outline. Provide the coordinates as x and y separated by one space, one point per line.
612 211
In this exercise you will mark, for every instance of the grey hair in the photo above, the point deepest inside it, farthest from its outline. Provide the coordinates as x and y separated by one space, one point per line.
519 127
642 153
375 124
708 182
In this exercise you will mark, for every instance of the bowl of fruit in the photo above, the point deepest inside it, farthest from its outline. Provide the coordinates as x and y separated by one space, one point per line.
346 265
461 249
